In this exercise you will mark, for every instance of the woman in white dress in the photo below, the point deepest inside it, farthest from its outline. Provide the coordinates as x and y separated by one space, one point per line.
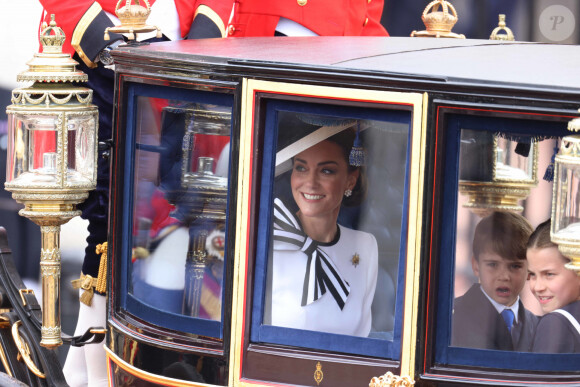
323 275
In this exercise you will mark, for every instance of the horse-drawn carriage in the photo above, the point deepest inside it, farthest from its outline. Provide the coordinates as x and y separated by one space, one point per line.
205 136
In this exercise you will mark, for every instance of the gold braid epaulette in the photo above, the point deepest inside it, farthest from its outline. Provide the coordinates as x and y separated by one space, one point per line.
90 284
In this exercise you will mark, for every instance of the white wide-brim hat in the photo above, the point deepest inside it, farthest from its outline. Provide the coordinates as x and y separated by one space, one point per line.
315 129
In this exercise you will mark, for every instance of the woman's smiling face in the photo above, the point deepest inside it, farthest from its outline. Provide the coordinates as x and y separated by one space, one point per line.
553 285
319 178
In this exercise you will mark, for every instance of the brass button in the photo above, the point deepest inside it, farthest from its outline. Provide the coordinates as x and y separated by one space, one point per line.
366 22
231 30
369 1
302 3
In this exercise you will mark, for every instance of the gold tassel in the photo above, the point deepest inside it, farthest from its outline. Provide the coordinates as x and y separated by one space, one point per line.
90 284
101 286
87 297
87 283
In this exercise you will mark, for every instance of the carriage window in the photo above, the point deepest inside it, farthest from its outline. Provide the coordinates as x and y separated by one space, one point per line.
336 228
495 174
503 197
180 176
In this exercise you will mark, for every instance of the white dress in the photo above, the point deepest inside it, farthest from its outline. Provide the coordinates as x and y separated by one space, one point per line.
324 314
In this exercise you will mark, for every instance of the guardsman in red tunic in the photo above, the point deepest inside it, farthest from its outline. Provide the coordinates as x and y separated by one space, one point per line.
84 23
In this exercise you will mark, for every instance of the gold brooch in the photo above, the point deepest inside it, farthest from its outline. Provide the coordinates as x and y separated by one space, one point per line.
355 259
318 374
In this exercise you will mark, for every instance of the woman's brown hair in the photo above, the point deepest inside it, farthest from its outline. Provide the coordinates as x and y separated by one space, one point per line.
345 139
540 238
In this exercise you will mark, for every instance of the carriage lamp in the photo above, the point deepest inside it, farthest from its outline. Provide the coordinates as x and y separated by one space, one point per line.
200 198
565 230
439 23
496 172
51 161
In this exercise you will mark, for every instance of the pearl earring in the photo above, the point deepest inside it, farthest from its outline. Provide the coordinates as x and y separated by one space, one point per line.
347 193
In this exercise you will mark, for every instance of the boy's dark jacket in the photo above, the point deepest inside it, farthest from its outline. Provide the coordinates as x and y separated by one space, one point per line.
477 324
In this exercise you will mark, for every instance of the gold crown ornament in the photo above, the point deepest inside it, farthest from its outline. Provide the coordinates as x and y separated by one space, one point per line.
438 23
51 65
52 37
501 26
133 17
574 125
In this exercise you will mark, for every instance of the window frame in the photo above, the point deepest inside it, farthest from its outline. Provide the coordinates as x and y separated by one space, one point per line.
129 308
470 365
249 353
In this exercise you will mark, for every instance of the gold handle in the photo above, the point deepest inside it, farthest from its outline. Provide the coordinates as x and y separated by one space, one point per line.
24 351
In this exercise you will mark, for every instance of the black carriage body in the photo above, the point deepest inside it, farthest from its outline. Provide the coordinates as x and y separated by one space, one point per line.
421 97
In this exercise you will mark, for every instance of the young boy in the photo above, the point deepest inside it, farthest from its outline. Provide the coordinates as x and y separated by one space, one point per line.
490 315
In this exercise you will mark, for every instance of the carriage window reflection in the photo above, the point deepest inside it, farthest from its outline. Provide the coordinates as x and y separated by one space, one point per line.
336 225
501 201
181 182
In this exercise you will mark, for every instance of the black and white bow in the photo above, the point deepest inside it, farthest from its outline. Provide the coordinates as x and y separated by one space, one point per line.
321 273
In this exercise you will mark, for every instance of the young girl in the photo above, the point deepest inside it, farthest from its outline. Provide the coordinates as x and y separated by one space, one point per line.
557 289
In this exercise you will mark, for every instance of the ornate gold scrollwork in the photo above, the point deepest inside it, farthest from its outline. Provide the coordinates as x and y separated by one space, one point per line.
24 351
391 380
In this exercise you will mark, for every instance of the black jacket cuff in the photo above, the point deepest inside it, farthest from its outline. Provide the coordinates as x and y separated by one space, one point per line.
88 36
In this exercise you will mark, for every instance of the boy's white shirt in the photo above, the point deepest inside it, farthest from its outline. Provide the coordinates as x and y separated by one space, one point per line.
500 307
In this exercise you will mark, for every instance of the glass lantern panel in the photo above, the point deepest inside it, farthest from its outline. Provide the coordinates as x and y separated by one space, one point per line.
15 160
476 155
81 150
33 150
206 135
181 182
513 160
487 157
567 217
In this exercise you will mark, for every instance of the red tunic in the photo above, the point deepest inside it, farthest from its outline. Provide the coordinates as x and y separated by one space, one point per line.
237 17
84 25
325 18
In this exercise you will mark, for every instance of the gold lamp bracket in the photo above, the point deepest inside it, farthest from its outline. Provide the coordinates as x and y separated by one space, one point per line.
439 23
133 17
501 26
